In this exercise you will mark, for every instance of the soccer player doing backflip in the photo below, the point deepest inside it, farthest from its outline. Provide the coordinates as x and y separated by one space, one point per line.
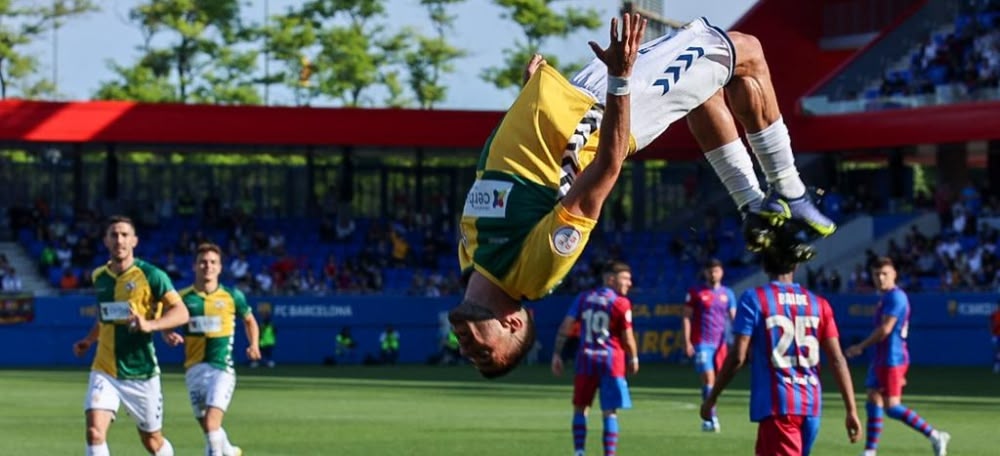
781 327
549 166
607 351
887 374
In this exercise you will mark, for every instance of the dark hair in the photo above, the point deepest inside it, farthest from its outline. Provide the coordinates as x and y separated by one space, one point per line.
118 219
208 247
775 262
615 267
713 263
882 262
524 345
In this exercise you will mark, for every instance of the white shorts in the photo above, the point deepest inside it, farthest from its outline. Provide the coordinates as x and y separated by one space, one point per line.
209 386
143 399
672 75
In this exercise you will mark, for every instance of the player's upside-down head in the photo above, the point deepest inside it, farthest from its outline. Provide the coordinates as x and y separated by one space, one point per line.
495 338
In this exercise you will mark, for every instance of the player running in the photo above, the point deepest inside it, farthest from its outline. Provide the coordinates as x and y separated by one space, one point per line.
607 346
708 309
208 353
134 299
782 327
547 169
887 374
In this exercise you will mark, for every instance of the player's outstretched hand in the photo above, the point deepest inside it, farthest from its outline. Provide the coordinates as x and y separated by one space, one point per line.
622 52
706 409
533 65
172 338
81 346
853 351
853 425
557 365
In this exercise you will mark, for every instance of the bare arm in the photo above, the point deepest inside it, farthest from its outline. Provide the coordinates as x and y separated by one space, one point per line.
735 361
587 195
81 346
686 330
176 314
253 337
878 335
631 351
557 347
843 378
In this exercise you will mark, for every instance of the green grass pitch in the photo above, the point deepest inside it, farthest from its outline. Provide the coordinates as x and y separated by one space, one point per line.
418 410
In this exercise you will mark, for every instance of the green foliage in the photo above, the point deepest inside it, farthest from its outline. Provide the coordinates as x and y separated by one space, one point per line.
539 21
433 56
21 23
290 40
204 61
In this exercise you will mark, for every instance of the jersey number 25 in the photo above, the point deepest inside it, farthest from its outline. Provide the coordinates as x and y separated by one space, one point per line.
794 332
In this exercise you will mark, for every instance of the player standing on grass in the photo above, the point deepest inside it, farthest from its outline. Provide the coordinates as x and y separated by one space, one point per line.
784 326
134 299
887 374
708 309
548 168
208 352
607 346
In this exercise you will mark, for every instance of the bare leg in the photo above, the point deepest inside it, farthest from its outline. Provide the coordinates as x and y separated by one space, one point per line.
750 92
713 127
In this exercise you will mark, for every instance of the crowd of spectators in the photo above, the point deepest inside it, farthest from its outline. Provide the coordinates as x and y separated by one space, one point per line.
970 55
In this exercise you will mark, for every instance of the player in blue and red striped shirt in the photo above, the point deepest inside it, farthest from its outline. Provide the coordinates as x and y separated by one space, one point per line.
785 326
708 309
607 345
887 374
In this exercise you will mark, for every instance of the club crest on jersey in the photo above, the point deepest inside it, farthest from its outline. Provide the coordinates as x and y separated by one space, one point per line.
566 240
219 304
130 286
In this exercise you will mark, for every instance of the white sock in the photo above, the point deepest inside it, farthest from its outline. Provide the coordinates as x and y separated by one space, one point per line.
98 450
216 442
166 449
773 148
733 166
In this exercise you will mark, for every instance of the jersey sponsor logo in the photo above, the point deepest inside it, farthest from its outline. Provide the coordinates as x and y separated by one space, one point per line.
205 324
115 311
488 199
566 240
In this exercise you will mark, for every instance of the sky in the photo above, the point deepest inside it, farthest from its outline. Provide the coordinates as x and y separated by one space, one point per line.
83 46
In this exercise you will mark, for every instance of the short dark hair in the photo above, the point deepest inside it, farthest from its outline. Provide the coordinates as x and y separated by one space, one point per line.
713 263
615 267
775 262
118 219
521 351
884 261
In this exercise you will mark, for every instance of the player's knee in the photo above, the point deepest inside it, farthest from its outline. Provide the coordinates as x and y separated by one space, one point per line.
749 55
95 435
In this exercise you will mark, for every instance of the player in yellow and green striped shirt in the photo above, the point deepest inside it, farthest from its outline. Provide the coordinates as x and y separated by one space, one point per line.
208 341
134 299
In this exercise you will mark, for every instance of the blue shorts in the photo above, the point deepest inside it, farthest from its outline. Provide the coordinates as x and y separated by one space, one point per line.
614 391
704 357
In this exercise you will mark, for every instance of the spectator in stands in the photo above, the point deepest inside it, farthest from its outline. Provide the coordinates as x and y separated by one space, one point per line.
263 281
46 259
239 268
64 254
171 267
276 243
949 248
11 283
69 280
400 248
389 345
186 206
84 252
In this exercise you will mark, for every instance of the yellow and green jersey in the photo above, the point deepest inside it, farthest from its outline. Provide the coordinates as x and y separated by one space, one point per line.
212 327
547 137
123 353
